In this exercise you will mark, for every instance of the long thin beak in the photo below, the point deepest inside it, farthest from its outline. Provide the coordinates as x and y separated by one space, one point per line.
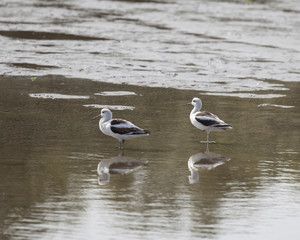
184 104
96 117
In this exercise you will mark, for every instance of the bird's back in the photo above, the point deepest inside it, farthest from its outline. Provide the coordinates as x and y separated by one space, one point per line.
206 120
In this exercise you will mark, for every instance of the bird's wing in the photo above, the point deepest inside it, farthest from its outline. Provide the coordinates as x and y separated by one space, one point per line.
208 119
120 126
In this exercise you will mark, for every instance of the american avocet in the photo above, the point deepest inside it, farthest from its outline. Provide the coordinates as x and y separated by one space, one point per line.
119 128
205 120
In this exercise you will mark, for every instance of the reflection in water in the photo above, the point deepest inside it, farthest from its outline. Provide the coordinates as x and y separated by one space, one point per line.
117 165
204 161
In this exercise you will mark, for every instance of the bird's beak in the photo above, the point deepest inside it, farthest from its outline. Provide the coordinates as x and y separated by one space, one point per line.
185 104
96 117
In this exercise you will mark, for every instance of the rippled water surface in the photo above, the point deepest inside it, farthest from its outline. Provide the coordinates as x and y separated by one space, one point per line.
246 45
62 61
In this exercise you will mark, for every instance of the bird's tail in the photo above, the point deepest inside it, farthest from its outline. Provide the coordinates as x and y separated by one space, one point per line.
223 126
147 132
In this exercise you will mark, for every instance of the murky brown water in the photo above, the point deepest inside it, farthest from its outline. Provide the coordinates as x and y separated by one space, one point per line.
50 149
58 64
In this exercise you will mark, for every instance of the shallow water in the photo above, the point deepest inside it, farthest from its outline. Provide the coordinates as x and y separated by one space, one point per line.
58 66
50 150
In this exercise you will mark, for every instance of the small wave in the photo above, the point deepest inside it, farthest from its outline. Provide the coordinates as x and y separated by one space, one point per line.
36 35
245 95
115 93
113 107
56 96
274 105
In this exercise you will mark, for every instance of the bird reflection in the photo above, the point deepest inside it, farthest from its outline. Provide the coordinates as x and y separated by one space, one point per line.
117 165
204 161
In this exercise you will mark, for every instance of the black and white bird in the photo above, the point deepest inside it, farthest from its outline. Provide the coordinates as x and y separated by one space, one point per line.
205 120
119 128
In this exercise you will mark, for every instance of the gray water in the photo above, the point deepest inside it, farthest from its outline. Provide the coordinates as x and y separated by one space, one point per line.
194 44
61 62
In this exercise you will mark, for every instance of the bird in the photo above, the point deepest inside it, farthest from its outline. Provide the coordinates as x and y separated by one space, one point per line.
206 121
119 128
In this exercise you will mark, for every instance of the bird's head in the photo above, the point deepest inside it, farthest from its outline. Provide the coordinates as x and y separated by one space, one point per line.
196 102
106 113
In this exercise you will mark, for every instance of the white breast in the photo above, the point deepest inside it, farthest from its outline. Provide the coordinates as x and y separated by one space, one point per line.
196 123
105 127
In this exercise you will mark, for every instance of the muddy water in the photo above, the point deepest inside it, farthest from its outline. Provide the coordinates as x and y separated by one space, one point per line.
50 150
58 63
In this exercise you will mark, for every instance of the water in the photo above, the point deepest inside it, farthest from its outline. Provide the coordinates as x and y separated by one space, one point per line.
60 66
193 44
50 149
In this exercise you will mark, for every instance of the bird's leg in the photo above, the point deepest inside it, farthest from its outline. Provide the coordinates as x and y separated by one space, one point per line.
207 137
207 149
121 144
